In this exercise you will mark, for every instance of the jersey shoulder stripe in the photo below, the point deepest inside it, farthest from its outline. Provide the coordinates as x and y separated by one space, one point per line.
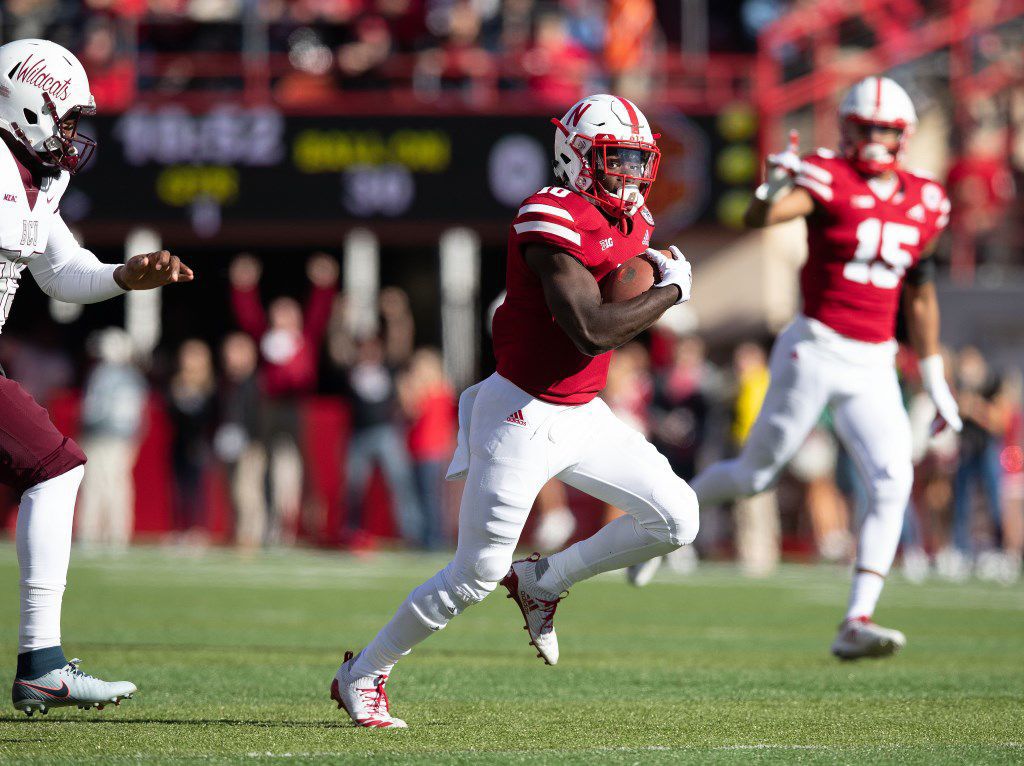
817 188
554 210
549 229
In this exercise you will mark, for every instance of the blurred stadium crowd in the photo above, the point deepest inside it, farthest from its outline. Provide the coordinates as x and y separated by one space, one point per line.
312 49
254 424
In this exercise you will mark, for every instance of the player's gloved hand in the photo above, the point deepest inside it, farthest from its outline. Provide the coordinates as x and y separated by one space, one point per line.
144 272
782 169
933 378
671 271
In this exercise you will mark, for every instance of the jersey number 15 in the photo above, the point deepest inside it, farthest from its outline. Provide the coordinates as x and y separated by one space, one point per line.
880 259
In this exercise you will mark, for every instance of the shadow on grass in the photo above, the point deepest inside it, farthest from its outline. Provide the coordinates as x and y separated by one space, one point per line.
178 722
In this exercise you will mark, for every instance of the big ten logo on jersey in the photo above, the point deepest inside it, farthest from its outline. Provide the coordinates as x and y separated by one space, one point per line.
881 259
29 233
606 243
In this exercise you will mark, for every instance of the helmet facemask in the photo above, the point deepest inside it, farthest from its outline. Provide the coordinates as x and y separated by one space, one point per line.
870 157
66 148
614 173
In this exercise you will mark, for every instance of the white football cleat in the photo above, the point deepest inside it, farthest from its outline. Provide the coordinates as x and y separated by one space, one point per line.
859 637
364 699
538 611
639 575
67 686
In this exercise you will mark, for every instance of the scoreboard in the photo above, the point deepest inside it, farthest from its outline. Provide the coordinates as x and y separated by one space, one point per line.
240 165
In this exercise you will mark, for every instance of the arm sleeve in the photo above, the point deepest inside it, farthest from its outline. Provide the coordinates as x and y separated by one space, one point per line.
817 180
68 272
921 272
542 222
249 311
318 313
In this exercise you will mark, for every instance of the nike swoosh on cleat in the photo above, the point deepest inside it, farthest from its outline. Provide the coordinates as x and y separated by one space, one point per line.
54 692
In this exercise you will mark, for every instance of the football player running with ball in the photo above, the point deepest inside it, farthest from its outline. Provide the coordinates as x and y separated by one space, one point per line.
538 417
43 94
871 229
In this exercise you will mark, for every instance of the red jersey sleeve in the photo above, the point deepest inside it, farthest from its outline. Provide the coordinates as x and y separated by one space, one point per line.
937 206
817 178
541 220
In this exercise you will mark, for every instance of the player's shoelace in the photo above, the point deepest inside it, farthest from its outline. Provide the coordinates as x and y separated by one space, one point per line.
376 698
547 610
72 667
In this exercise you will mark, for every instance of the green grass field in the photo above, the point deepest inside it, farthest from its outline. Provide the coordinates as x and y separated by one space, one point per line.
234 657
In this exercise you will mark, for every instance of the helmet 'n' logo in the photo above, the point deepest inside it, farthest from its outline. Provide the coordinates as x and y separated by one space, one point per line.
577 114
36 74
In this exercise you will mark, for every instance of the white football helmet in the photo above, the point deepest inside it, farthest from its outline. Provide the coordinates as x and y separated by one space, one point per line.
43 92
604 149
875 101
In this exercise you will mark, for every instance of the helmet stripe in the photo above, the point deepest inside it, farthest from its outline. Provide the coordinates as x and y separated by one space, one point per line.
631 113
878 95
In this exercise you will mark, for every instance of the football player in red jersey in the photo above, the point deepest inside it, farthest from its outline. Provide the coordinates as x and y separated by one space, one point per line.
871 229
538 417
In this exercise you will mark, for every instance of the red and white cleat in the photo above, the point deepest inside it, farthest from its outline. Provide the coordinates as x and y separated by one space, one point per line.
859 637
538 611
364 699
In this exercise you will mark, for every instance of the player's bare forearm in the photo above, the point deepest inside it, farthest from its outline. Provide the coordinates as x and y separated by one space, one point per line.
797 203
922 313
574 300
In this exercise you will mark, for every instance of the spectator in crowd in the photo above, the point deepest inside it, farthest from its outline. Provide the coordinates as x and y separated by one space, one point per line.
111 75
629 46
289 342
429 403
238 439
191 404
758 534
377 439
986 415
681 404
112 410
981 189
558 67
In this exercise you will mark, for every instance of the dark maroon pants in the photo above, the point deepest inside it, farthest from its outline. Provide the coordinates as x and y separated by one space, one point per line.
31 448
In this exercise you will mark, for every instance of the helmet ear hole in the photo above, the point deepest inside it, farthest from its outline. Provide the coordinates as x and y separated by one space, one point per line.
30 117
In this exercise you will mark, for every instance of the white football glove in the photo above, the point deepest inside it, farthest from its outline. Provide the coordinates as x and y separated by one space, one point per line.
933 378
782 169
672 271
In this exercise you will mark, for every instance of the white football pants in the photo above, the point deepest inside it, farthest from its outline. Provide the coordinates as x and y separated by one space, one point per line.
510 445
813 367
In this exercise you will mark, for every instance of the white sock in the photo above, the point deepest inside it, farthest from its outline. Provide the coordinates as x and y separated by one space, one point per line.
43 539
617 545
864 593
394 641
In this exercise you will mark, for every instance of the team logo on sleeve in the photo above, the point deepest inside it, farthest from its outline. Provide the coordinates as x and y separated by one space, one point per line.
931 195
647 215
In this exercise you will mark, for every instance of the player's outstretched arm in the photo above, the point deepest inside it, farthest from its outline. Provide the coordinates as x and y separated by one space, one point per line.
70 273
151 270
574 300
796 203
921 307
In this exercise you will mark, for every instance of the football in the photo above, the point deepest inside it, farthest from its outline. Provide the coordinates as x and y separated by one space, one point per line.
629 280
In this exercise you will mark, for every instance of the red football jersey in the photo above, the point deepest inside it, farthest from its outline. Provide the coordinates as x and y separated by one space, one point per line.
531 349
860 245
